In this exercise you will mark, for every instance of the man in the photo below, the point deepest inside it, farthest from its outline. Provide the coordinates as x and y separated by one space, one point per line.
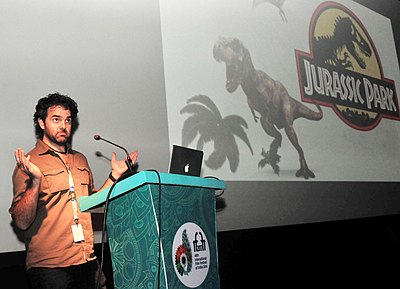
47 182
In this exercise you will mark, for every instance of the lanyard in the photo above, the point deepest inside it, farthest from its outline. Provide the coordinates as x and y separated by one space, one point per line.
73 196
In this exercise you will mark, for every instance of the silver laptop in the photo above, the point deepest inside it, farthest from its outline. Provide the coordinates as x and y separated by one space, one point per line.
185 161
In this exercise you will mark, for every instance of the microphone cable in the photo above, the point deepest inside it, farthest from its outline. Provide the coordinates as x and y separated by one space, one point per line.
103 233
222 191
159 227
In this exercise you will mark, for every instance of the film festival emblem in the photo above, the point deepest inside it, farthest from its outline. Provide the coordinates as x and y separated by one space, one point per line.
343 70
191 255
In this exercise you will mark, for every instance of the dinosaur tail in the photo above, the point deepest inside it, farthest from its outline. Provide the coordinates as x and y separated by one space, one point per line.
318 115
312 114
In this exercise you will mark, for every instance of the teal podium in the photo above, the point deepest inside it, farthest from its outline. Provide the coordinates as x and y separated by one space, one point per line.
161 230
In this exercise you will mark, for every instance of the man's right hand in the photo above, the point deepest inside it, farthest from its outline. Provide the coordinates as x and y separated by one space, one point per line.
24 163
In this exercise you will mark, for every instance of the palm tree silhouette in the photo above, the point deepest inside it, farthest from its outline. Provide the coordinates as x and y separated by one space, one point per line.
207 122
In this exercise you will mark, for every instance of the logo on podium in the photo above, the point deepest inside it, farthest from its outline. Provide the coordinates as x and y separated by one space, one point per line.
191 255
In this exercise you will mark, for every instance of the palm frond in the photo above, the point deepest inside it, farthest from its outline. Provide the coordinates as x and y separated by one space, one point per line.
235 124
204 99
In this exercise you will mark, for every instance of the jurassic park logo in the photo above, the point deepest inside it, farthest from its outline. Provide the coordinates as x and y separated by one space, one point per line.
343 70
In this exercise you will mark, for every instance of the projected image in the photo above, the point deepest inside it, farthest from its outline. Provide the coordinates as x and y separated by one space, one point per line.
206 124
343 70
283 90
268 100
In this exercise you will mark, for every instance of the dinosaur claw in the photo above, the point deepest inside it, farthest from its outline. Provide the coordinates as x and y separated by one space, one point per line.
306 173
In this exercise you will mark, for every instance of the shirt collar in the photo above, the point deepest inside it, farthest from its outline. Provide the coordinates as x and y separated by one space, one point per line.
44 148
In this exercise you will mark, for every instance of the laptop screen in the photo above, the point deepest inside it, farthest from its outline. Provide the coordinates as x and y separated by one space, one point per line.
185 161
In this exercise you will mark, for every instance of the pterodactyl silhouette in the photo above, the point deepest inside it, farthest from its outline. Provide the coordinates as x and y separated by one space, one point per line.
277 3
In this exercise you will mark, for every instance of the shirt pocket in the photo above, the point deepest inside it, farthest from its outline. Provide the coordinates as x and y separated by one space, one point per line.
56 181
83 180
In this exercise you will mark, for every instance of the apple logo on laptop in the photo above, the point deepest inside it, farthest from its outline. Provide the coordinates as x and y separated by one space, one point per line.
186 168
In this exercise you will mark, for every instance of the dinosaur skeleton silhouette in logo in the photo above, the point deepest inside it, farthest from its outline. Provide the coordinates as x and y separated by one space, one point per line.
345 37
268 97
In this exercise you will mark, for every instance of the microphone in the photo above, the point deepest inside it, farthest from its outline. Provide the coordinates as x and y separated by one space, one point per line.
128 158
100 155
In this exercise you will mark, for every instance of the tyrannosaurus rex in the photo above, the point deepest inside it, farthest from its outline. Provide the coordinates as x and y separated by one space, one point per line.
266 96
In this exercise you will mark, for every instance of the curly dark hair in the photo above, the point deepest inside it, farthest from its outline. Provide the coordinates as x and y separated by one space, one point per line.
54 99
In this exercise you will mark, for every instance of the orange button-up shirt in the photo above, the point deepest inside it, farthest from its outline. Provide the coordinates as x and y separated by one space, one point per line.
49 240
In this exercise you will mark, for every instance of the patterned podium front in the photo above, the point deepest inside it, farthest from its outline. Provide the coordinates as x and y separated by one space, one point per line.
188 255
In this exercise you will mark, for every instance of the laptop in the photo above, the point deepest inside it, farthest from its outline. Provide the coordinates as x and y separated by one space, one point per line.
185 161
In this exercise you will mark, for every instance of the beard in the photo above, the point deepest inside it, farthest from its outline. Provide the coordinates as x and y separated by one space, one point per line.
61 140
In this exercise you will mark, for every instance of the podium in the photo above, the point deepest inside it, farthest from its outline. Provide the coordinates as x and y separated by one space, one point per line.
161 230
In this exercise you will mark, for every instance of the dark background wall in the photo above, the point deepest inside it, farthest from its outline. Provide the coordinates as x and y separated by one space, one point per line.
350 253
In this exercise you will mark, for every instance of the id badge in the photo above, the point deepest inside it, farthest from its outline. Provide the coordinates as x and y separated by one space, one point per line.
77 232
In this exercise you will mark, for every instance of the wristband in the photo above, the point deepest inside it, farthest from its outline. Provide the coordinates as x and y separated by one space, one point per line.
110 176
